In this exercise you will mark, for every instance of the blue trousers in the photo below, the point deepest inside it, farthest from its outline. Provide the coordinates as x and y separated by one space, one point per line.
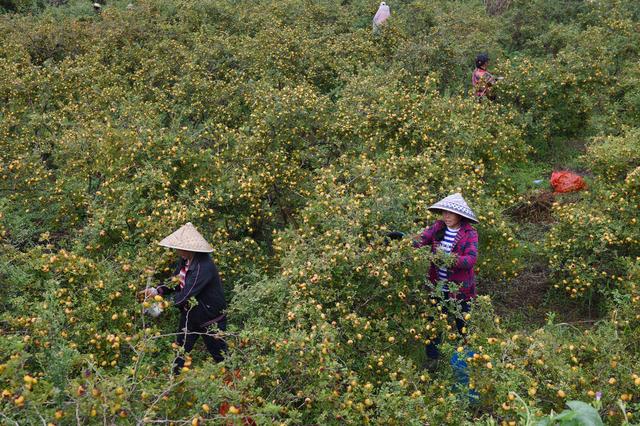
432 348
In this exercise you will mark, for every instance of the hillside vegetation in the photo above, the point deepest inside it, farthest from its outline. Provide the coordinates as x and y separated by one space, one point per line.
294 137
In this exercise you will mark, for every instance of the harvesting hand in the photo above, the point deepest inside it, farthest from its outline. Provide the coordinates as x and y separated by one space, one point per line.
149 292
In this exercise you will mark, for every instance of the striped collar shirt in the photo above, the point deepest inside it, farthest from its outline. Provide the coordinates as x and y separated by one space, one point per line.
183 273
446 245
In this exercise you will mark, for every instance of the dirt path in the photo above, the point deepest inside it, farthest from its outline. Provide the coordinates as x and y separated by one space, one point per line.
528 300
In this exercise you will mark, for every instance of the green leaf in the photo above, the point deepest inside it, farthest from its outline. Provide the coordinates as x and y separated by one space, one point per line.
565 418
585 414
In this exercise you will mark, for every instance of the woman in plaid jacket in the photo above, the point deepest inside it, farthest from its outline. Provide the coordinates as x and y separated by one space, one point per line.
454 235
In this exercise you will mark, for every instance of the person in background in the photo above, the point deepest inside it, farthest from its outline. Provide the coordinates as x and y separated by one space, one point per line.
454 235
381 16
197 278
482 79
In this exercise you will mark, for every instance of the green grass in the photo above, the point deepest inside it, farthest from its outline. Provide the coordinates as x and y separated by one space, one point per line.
560 155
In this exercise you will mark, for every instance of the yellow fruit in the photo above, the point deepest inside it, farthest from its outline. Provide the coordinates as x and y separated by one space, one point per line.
206 408
561 393
234 410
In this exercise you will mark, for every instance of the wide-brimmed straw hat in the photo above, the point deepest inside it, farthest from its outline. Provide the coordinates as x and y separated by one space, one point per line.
187 238
455 204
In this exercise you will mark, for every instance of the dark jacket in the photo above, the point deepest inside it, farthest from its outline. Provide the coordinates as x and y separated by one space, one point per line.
202 282
465 248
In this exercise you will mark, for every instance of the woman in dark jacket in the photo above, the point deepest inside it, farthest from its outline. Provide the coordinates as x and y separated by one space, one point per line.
454 235
197 278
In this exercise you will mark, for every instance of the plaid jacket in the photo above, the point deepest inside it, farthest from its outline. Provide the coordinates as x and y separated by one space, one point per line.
482 80
465 248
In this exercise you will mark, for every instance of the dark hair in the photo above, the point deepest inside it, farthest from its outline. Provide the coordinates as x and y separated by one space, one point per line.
481 59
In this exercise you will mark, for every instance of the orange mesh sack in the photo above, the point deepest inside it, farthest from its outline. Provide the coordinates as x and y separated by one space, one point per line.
567 182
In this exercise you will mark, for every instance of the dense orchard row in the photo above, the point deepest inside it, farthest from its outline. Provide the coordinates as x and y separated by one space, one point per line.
294 138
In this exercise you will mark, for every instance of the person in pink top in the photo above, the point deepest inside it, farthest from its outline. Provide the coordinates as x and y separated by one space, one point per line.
482 79
381 16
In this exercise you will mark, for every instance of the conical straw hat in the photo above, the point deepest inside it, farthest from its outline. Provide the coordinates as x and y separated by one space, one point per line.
455 204
187 238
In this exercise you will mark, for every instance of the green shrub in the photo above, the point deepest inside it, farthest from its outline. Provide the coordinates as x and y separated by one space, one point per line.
294 138
613 157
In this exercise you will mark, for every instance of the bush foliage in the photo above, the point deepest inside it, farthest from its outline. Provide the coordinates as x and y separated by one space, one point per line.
294 138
